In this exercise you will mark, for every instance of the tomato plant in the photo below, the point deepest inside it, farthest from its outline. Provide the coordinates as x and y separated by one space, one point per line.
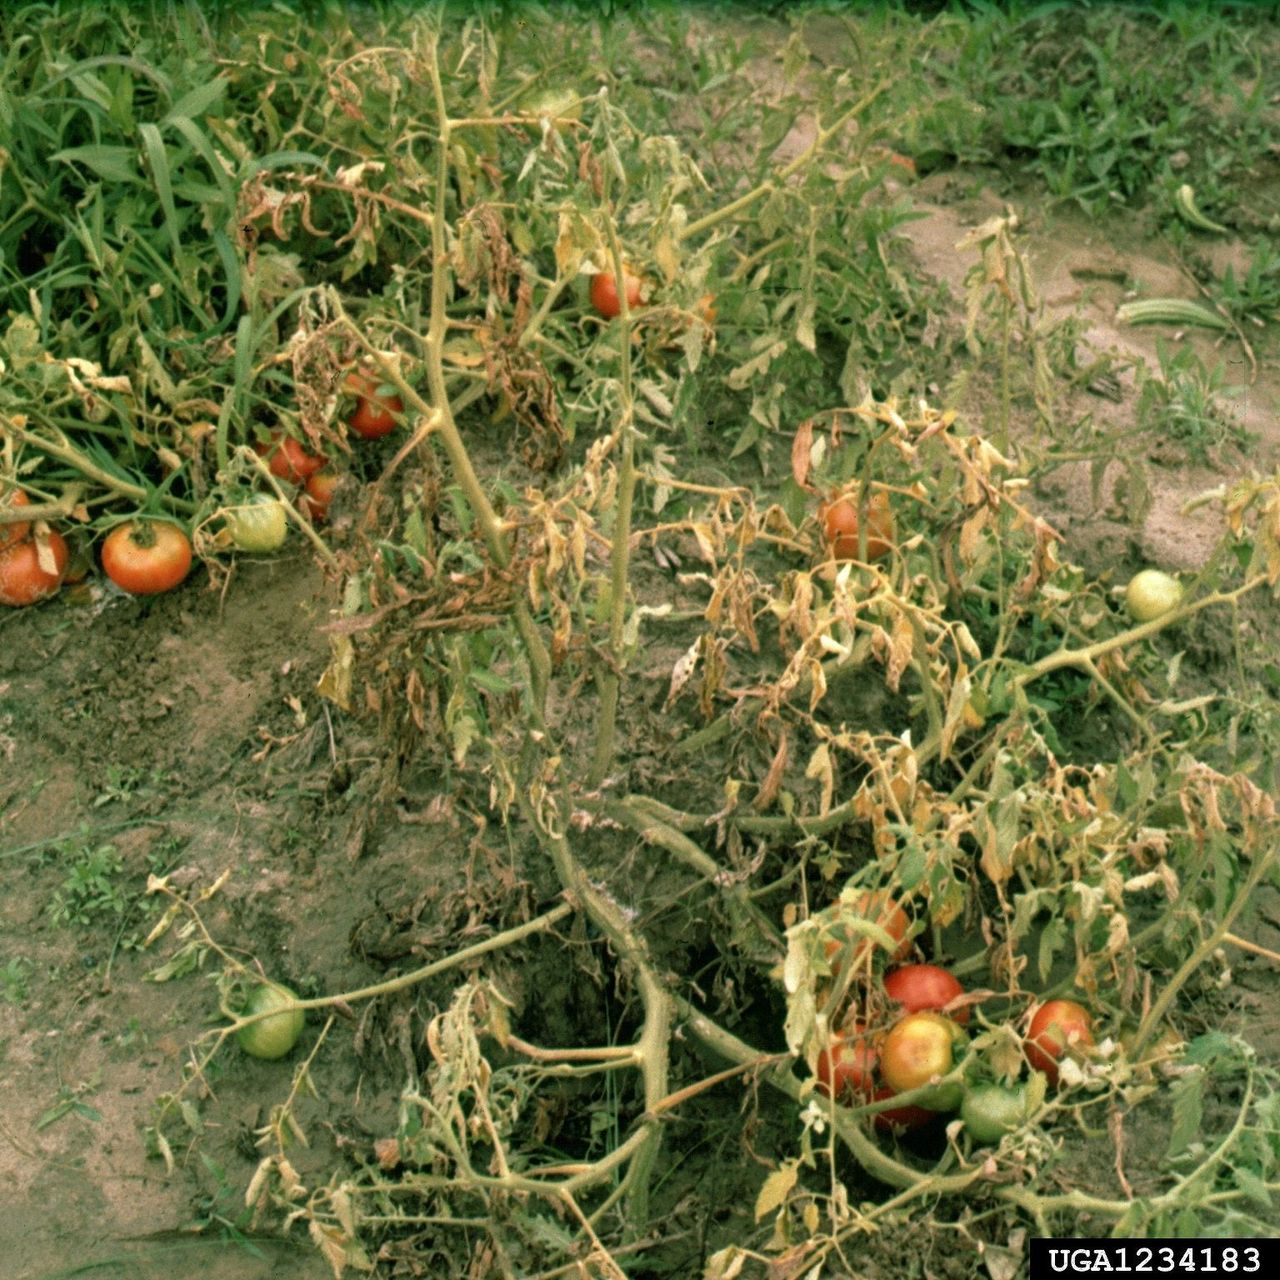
10 499
925 986
378 407
1150 594
917 1050
24 579
145 557
257 524
273 1036
846 1067
317 495
990 1110
288 459
848 945
841 525
604 292
1057 1025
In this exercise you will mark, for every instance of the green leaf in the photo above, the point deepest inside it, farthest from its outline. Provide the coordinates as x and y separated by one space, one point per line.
1255 1190
1051 942
195 102
115 164
1188 1111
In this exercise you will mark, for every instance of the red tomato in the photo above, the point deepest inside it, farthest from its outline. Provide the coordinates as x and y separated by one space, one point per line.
925 986
840 523
288 459
604 292
377 406
847 1066
23 579
875 905
145 557
11 533
1056 1025
896 1119
318 494
918 1049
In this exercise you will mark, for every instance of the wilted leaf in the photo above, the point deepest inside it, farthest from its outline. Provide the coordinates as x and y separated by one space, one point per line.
777 1186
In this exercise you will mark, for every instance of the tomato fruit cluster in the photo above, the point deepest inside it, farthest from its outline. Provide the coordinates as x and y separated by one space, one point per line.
908 1034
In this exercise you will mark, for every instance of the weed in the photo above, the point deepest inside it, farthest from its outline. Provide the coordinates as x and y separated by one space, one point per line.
14 974
1183 403
91 893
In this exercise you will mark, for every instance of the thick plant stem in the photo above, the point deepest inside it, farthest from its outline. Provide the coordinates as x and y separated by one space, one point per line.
653 1046
620 552
492 527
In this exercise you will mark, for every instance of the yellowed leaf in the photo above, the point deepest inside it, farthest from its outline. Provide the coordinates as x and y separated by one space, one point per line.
777 1186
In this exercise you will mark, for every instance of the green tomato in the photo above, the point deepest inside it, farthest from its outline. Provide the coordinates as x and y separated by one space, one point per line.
1150 594
989 1111
257 525
274 1036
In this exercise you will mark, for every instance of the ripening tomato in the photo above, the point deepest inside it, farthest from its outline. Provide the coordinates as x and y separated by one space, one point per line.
841 525
258 524
897 1119
271 1037
1057 1025
317 495
10 500
145 557
604 292
378 408
925 986
848 944
23 579
288 459
847 1066
917 1050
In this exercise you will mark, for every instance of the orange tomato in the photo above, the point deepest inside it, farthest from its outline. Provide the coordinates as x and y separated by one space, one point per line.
849 946
146 557
317 495
604 292
10 499
23 579
1056 1025
288 459
841 524
378 408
